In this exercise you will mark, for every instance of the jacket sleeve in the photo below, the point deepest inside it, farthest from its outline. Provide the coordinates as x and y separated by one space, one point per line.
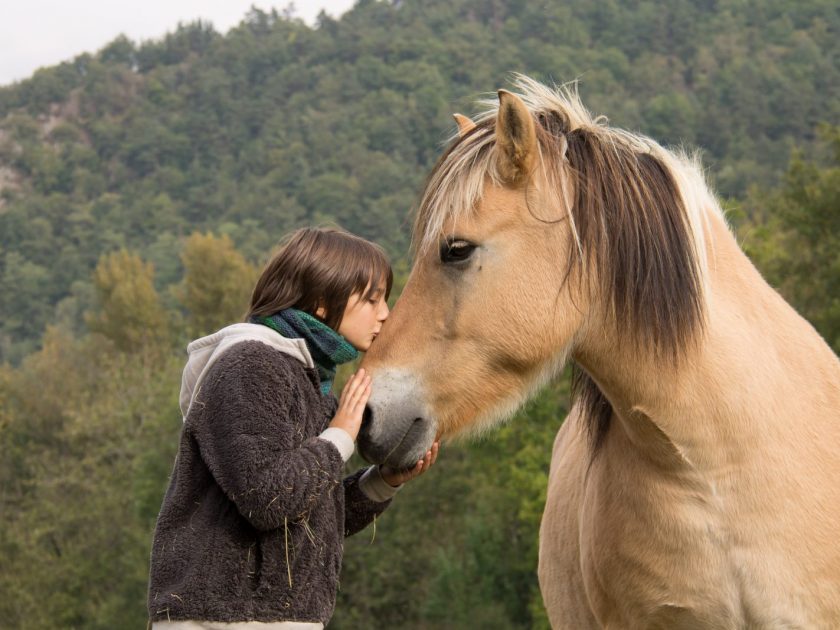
360 508
245 424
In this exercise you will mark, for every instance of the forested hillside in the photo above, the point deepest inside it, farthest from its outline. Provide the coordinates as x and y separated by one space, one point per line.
143 185
277 124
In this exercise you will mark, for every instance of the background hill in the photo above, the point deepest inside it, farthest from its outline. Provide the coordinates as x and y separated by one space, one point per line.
142 186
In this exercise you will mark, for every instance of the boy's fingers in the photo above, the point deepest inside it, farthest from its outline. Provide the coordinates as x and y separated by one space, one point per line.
431 456
359 406
354 379
353 386
361 392
360 381
363 398
349 388
358 377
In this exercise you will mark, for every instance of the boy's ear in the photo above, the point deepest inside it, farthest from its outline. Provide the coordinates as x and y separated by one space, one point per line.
321 311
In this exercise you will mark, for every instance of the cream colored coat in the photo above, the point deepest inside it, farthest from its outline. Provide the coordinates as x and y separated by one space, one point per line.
715 500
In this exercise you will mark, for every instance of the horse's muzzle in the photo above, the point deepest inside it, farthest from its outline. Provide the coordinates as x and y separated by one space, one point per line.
395 430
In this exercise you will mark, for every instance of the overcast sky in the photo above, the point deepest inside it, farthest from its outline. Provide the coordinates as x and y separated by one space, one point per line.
36 33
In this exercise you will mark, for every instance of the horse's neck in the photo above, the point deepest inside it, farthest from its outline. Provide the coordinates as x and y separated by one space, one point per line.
756 354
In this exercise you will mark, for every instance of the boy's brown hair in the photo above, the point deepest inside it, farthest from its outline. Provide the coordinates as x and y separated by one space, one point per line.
321 267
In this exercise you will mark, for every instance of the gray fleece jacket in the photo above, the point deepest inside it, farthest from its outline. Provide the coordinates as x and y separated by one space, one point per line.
252 523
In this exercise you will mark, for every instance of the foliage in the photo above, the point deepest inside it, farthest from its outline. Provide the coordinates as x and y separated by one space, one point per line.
794 236
217 283
276 125
119 169
85 462
130 312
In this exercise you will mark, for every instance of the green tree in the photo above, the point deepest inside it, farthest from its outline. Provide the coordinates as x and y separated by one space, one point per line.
276 125
23 287
794 236
88 438
129 311
217 283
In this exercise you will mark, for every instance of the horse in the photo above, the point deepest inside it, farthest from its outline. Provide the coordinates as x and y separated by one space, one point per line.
696 480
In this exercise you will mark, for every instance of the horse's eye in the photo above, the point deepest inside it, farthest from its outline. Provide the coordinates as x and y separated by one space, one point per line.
456 251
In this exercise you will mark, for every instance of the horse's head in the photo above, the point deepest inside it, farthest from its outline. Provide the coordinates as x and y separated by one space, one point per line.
498 296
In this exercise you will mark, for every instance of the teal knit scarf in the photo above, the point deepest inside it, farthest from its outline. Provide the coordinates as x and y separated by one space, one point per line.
327 347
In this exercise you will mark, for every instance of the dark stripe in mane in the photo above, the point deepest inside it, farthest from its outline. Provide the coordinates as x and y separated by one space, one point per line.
635 234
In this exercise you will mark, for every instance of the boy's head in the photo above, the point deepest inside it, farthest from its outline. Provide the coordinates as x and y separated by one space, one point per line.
318 270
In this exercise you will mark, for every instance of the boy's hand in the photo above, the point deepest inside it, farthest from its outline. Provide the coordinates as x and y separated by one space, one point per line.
398 477
352 403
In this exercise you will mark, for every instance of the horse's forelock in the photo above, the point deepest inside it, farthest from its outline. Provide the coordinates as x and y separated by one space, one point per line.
455 184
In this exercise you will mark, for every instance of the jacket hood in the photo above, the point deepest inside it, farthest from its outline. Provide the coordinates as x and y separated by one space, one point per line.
203 352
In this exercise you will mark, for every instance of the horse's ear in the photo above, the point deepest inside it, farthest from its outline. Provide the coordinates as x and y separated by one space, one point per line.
516 139
465 125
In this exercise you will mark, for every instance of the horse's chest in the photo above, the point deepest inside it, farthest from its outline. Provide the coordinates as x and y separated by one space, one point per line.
654 555
654 548
627 543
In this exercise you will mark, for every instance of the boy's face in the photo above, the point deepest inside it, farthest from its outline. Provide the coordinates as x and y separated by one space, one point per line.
363 318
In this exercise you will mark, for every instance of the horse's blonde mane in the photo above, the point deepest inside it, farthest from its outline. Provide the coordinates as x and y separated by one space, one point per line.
638 212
